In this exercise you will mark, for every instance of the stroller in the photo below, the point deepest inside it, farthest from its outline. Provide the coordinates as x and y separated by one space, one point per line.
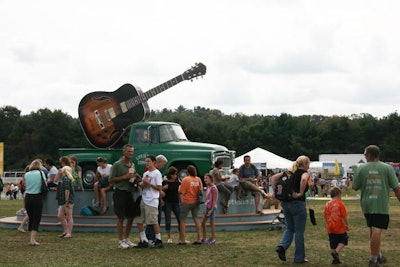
278 222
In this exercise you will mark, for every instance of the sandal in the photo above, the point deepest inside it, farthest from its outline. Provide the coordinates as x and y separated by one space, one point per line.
67 236
259 212
224 208
34 244
62 235
104 211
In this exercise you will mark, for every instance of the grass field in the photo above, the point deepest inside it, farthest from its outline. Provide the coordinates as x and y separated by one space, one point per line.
245 248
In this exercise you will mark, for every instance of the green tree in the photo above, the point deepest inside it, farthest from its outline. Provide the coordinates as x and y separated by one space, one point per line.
9 116
40 134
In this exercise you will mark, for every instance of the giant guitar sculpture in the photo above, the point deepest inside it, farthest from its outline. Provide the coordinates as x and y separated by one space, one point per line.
105 116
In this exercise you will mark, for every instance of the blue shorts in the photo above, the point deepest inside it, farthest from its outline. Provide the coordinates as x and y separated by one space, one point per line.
336 239
212 216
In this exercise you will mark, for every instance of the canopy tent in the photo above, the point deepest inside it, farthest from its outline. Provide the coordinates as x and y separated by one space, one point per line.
261 156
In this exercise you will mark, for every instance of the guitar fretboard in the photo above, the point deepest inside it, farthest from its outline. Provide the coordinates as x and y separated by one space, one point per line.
141 98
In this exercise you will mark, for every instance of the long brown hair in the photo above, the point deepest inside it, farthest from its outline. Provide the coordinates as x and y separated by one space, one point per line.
191 170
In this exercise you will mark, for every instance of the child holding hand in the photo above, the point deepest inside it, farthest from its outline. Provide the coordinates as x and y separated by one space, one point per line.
211 206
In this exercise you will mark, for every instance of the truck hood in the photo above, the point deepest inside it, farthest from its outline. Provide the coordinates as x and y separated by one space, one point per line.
195 145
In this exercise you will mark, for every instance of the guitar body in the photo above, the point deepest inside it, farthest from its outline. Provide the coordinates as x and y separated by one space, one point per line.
105 116
104 120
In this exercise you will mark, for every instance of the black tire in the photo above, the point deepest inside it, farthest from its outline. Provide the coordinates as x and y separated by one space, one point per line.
88 175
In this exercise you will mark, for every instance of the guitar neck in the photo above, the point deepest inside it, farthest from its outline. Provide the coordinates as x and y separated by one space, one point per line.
141 98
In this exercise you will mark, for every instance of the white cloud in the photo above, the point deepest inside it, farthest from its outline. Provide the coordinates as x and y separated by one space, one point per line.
262 57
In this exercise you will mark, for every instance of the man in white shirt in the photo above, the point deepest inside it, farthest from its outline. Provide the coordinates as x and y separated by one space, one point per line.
52 173
151 186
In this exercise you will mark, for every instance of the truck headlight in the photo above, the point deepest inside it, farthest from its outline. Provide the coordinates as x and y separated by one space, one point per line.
213 157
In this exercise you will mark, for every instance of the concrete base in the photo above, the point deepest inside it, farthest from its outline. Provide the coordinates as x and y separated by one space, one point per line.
241 216
246 205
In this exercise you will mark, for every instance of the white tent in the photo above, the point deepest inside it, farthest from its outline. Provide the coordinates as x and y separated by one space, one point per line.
261 156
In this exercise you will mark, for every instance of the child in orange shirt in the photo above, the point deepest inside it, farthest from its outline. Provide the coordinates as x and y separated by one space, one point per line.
337 225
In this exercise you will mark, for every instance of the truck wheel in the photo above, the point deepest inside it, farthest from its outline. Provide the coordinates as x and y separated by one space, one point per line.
181 171
88 175
181 174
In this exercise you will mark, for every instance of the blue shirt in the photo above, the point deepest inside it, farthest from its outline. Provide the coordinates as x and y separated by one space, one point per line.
33 182
250 172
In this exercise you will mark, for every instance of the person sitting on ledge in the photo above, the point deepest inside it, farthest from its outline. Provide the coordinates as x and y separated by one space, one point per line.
102 184
248 179
223 187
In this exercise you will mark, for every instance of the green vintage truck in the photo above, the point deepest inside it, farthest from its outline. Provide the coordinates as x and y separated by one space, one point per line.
154 138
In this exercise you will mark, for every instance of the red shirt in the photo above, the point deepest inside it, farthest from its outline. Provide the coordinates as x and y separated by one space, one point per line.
334 213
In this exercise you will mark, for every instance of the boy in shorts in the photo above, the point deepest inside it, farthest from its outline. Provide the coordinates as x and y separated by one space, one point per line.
151 186
337 225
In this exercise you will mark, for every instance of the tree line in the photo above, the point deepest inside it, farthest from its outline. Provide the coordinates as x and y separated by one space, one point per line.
42 133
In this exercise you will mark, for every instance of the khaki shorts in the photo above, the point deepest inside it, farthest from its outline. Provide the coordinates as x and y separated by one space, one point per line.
246 185
148 214
186 208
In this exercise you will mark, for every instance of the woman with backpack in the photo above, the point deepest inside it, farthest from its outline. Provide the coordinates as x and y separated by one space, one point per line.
294 210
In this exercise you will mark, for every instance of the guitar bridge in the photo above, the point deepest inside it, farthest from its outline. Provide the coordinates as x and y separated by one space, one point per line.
110 114
98 119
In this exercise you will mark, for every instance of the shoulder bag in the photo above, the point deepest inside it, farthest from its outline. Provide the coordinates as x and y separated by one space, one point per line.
43 189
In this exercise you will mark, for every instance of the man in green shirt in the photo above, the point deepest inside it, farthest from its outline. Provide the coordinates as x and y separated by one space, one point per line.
374 179
123 174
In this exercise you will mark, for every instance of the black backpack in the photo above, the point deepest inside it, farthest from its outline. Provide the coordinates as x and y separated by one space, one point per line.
284 187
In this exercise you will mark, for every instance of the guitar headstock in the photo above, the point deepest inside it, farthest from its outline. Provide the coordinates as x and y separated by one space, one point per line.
199 69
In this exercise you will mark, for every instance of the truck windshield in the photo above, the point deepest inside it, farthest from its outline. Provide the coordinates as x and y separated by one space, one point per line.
172 133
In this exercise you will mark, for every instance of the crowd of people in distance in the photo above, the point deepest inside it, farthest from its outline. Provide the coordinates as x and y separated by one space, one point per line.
317 182
153 195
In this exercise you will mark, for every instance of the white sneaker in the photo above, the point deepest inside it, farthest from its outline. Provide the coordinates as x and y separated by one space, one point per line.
122 244
130 243
169 241
151 244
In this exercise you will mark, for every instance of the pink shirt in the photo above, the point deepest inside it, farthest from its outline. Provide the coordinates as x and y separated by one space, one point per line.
209 196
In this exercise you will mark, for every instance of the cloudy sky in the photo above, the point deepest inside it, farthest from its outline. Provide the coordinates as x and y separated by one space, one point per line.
263 56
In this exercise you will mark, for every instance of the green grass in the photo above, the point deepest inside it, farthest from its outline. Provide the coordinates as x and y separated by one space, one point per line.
245 248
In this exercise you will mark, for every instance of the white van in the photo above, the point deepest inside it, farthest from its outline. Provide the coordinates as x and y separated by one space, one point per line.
12 177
